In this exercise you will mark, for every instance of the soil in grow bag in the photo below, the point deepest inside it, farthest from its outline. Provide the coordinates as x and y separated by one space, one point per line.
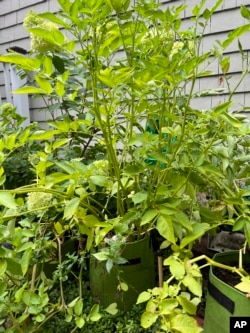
230 278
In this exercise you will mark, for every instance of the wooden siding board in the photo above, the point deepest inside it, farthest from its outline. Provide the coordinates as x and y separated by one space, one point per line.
32 3
226 20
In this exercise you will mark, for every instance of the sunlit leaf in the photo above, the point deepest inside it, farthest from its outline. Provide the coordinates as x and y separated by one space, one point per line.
7 200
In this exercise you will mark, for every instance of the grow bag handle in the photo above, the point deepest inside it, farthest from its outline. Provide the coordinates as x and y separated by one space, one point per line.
222 299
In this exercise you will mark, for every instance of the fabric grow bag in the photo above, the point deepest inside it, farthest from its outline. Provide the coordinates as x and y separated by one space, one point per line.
138 273
224 301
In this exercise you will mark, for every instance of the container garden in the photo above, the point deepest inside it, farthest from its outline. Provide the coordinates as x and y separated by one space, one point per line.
138 273
223 300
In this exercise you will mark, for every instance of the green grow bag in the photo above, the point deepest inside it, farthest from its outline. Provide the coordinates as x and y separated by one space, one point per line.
138 273
224 301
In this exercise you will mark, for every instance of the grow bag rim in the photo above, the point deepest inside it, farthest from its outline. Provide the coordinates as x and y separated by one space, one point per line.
222 254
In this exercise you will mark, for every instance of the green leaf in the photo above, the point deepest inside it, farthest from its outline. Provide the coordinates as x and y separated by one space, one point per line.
222 108
225 65
99 180
143 297
60 142
158 157
68 318
65 4
230 120
14 267
182 323
54 36
35 309
139 197
209 169
80 322
245 12
234 201
3 266
133 169
107 79
19 293
48 66
29 90
25 261
60 88
30 298
70 208
25 246
58 228
40 317
112 309
94 313
101 256
206 14
44 84
247 232
92 221
3 286
149 216
73 303
55 19
187 305
176 267
78 307
193 285
123 286
239 223
182 219
19 59
7 200
43 135
199 230
235 34
167 306
165 227
24 135
148 319
196 10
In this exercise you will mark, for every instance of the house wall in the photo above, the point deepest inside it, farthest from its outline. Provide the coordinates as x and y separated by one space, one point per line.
227 17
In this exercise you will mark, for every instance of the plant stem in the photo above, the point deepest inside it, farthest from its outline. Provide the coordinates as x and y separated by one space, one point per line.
33 278
63 304
211 262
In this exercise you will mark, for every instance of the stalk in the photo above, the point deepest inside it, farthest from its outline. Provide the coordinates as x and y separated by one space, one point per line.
210 262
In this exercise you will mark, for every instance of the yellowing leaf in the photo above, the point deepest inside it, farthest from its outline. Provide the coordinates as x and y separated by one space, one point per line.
94 313
112 309
143 297
244 285
184 324
148 319
193 285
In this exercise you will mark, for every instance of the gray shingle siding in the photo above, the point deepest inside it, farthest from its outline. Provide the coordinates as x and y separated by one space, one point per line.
227 17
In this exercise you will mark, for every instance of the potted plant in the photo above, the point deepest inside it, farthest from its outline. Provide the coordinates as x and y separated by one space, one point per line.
160 152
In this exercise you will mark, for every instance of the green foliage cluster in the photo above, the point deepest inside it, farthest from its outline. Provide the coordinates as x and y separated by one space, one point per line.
127 154
121 322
